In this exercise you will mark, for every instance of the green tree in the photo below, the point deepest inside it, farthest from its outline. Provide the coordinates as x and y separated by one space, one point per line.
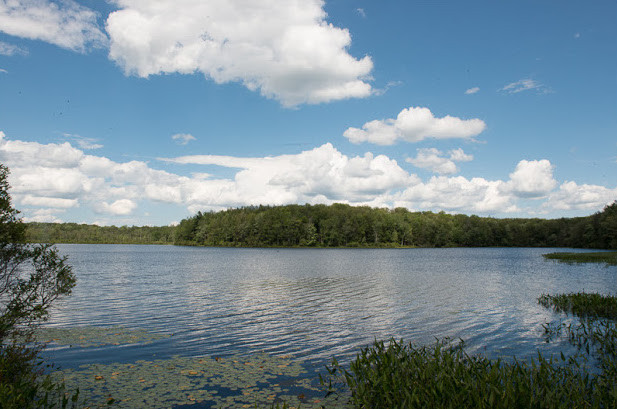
32 277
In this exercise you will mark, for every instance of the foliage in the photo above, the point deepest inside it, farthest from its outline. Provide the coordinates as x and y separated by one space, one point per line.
395 374
399 375
340 225
32 277
608 257
92 234
592 305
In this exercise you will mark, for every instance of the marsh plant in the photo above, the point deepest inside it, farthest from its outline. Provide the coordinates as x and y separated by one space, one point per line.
396 374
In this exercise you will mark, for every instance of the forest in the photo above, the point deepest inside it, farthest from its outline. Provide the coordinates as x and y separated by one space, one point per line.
341 225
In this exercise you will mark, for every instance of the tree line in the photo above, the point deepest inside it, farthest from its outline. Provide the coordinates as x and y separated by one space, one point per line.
341 225
93 234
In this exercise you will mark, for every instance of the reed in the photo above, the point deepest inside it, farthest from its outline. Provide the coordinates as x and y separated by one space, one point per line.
401 375
591 305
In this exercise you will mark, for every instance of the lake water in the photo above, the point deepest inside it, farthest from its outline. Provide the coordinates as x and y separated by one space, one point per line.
314 303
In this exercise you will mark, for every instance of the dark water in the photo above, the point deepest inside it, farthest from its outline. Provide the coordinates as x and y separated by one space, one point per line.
314 303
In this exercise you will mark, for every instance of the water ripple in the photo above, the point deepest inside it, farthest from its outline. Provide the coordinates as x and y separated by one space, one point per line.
311 303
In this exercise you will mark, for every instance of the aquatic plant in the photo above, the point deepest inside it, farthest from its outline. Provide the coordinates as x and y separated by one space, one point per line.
89 336
607 257
232 382
593 305
400 375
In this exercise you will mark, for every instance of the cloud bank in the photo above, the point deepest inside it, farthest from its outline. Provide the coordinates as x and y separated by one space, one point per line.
414 124
50 180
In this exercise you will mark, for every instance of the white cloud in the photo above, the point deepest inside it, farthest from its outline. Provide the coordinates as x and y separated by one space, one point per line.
54 202
284 49
415 124
361 12
433 159
572 196
44 216
183 138
532 179
84 142
120 207
473 90
10 49
65 24
526 84
49 179
3 71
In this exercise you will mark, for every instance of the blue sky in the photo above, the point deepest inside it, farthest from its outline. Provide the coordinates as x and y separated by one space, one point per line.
132 112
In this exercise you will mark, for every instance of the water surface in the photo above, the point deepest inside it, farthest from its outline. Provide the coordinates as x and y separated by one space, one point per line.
313 303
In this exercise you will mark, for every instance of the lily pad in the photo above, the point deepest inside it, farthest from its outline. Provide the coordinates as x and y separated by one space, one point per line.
256 381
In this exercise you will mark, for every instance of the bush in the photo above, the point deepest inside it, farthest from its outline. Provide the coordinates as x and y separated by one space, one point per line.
32 277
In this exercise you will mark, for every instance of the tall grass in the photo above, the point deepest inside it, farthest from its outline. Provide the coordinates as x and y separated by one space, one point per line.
396 374
400 375
592 305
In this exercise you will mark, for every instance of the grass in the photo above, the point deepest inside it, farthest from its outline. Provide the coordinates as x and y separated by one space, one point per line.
608 257
396 374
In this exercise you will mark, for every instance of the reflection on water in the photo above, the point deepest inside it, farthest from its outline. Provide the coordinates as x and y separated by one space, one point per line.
313 303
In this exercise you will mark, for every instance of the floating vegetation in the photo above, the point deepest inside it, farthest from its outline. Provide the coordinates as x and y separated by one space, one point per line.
608 257
236 382
96 336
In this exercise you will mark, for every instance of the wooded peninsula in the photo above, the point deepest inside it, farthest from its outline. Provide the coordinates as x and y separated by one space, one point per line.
341 225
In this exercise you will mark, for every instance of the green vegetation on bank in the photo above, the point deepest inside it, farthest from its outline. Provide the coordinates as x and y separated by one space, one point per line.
395 374
341 225
32 277
608 257
93 234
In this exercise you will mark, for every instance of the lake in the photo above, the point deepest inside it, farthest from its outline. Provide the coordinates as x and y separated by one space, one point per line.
312 304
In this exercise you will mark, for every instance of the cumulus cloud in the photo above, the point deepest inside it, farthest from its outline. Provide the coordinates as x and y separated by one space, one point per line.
572 196
526 84
50 180
532 179
120 207
323 172
10 49
284 49
473 90
65 24
183 138
457 194
44 216
414 124
433 160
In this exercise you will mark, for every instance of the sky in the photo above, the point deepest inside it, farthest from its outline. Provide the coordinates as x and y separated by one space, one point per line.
144 112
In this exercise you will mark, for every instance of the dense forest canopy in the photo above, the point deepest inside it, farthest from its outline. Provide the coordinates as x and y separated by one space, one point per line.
341 225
